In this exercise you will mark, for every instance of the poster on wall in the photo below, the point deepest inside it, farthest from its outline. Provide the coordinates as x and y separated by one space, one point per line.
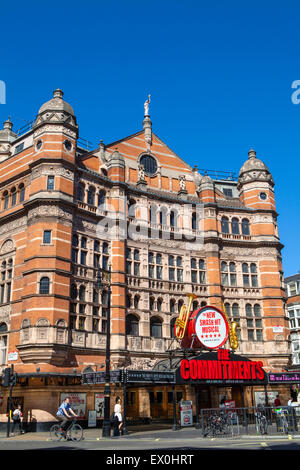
99 405
260 398
77 402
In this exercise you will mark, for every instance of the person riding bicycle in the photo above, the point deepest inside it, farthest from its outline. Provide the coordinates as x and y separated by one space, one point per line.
64 413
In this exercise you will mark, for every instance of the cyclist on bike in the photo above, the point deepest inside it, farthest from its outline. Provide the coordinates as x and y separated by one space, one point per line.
65 413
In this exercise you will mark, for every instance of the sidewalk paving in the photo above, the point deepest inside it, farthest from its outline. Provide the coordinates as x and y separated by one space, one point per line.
147 432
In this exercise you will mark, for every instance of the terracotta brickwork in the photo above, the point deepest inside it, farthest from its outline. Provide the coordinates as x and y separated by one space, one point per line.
50 232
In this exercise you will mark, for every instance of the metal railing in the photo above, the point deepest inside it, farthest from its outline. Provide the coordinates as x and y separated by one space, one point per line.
216 422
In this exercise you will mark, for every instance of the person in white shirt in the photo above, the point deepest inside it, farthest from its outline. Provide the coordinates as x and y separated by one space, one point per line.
16 416
118 417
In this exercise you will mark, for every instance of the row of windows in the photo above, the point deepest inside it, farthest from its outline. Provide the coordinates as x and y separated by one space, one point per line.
229 276
235 226
254 332
92 197
13 196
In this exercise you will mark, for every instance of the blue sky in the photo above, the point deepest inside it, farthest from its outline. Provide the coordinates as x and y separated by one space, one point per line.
220 76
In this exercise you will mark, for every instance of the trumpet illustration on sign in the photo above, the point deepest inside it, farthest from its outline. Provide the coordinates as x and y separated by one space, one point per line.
233 338
182 321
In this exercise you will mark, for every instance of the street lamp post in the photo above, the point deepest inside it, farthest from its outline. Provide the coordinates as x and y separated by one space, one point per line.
104 280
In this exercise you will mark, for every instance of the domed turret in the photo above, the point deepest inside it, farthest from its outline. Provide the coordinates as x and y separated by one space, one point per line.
255 183
57 104
7 136
56 110
254 170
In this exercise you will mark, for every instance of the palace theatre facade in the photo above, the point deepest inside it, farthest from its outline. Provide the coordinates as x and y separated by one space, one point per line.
165 229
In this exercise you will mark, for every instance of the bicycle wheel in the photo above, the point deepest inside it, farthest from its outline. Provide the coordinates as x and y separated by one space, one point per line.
76 432
55 434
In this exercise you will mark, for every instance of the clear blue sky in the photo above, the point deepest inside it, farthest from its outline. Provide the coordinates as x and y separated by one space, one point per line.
219 73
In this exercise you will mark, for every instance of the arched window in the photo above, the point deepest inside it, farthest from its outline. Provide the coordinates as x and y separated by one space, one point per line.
132 325
6 199
224 225
235 229
101 198
22 192
180 304
224 273
91 196
245 227
44 285
248 310
80 192
235 310
173 219
13 196
194 221
159 304
155 327
257 312
172 306
163 216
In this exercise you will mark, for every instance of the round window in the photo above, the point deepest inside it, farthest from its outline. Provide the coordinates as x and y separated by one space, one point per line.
68 145
263 196
149 164
39 144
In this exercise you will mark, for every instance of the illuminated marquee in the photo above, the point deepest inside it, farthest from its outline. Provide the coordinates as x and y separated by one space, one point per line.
221 367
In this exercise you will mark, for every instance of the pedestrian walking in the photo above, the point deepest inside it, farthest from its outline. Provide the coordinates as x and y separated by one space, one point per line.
17 420
118 420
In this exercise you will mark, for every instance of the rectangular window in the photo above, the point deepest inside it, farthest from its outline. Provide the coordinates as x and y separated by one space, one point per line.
8 291
136 269
105 262
227 192
246 280
158 272
22 194
50 183
74 255
14 198
171 274
96 261
128 267
2 290
72 322
194 277
83 257
179 275
47 236
151 271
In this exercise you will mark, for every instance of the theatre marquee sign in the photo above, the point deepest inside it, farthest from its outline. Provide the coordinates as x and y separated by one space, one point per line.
221 367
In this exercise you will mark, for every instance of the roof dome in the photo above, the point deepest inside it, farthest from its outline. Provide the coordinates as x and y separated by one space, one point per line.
253 163
253 170
57 104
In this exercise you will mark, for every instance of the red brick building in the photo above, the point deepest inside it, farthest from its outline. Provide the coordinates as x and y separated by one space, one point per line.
54 196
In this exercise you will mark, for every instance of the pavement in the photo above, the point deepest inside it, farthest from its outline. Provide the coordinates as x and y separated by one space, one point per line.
140 432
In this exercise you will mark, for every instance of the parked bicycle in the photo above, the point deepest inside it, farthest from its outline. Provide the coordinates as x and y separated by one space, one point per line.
217 425
261 421
74 432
